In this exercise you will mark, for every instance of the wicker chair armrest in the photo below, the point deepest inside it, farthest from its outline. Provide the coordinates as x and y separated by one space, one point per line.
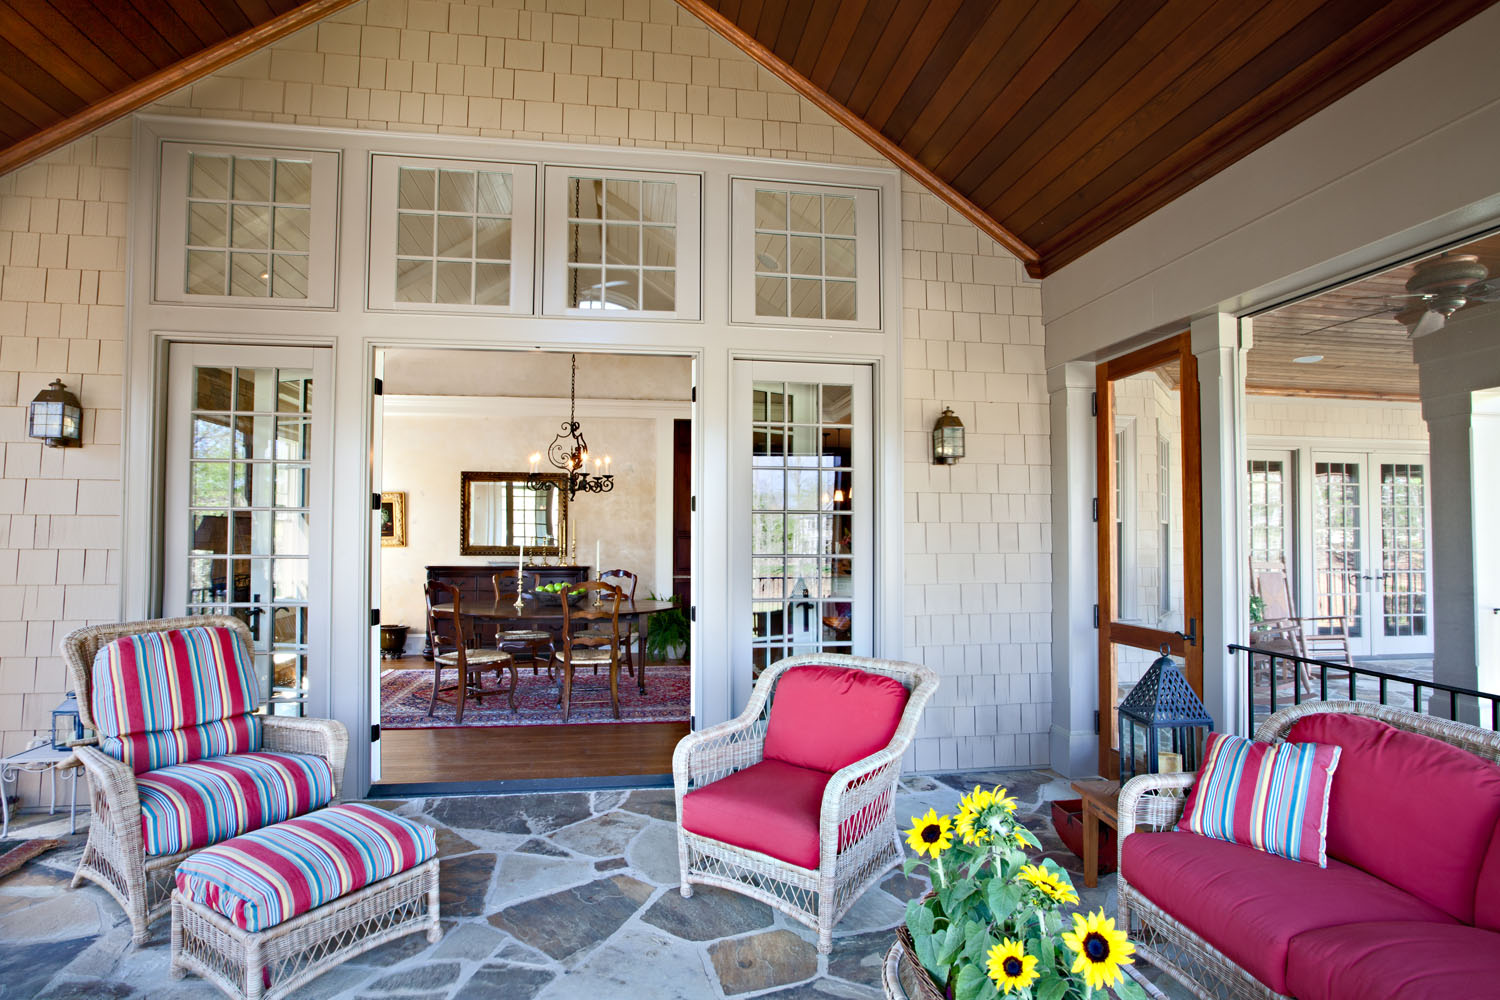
856 791
327 738
711 753
114 782
1143 804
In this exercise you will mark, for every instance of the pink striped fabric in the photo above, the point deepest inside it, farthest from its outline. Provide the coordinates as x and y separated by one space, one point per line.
267 877
1269 796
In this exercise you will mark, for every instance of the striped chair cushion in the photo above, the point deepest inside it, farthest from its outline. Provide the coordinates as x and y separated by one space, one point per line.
267 877
187 806
151 751
1269 796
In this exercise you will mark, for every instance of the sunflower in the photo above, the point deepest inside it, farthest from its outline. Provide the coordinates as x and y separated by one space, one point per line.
968 825
931 835
1101 949
1010 967
978 800
1005 801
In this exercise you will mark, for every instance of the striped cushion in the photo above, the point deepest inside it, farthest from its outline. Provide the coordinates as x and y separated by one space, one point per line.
155 682
270 876
151 751
1269 796
188 806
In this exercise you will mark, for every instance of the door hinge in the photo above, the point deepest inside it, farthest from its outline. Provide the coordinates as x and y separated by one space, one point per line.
374 731
374 617
375 501
692 723
693 504
695 394
379 387
1096 616
1096 722
693 613
1093 404
1096 510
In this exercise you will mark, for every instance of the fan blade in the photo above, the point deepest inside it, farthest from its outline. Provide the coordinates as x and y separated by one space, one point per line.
1431 322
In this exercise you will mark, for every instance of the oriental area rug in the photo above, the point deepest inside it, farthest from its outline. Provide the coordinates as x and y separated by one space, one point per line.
404 696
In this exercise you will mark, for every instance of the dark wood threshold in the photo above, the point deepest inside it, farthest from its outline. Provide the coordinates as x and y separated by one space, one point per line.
527 753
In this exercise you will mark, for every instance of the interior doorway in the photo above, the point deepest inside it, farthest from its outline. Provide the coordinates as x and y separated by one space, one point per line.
489 527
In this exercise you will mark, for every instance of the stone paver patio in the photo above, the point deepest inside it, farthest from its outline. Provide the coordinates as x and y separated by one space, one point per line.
545 895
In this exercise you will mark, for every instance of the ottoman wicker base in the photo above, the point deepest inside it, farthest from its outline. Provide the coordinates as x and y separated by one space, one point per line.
265 965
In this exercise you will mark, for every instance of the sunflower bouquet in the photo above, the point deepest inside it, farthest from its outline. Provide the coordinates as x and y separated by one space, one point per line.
994 923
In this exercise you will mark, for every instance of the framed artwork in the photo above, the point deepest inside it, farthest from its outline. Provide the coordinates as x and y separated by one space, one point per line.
393 519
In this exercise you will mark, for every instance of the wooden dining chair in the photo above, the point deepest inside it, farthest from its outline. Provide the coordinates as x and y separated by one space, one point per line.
584 648
534 645
630 630
461 652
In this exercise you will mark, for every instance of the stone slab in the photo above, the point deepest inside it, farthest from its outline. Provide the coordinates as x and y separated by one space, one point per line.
570 921
710 913
601 836
763 961
533 813
501 979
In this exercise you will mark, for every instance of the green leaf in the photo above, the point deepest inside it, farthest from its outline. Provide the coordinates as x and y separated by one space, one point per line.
1129 989
1001 903
919 919
928 957
972 984
977 941
952 942
1051 988
910 865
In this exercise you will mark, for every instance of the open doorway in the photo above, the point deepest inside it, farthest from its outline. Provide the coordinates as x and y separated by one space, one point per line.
484 539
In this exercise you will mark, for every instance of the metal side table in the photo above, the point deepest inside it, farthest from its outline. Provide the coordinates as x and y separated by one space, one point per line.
36 760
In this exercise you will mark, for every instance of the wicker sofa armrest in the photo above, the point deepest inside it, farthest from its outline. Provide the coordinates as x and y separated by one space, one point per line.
114 795
327 738
1143 802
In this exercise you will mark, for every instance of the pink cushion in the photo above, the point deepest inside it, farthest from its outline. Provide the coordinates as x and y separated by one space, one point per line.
826 718
1407 808
771 807
154 681
1250 905
1269 796
1413 961
1487 889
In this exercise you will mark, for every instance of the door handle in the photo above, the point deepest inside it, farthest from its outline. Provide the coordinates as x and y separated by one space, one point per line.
1191 635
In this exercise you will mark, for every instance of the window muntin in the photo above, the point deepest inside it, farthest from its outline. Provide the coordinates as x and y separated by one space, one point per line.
454 236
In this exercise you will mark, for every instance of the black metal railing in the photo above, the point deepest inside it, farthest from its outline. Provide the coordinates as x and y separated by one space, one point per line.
1344 683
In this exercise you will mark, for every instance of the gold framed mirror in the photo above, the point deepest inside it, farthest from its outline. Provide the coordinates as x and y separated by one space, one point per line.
497 511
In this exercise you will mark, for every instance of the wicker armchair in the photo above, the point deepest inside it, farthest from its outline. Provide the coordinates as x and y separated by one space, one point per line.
858 837
115 856
1156 801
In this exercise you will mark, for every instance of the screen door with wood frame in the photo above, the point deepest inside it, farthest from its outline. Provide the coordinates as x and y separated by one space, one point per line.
1150 514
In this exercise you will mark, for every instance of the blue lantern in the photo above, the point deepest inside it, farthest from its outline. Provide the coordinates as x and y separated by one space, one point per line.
67 728
1162 714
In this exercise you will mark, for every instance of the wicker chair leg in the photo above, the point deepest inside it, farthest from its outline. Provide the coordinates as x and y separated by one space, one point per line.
434 924
175 970
255 975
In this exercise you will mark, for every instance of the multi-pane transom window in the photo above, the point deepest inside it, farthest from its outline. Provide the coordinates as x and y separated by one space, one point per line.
249 509
805 255
454 236
249 223
622 244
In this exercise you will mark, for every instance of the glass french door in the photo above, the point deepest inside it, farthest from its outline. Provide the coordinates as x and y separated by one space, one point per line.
1150 514
801 521
246 511
1370 542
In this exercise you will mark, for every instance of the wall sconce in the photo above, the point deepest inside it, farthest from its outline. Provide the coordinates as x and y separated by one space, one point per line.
55 417
947 438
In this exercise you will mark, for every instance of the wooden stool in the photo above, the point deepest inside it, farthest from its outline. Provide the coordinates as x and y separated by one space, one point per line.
1100 799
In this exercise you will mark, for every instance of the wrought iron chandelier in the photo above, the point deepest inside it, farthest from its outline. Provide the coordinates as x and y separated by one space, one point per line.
569 452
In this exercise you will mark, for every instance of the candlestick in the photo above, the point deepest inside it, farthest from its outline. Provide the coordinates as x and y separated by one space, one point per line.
520 573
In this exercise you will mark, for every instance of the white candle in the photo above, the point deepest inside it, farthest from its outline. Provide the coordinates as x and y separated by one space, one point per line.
598 559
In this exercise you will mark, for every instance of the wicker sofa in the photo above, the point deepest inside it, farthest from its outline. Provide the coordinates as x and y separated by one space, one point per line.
1409 905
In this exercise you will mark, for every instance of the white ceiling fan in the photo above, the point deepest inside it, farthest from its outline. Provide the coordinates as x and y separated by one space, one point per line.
1441 286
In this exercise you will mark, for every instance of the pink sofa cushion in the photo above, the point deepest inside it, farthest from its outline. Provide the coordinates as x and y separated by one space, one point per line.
1413 961
771 807
826 718
1269 796
1408 808
1250 905
1487 889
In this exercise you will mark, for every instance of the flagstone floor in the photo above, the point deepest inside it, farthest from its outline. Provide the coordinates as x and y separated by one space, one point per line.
544 895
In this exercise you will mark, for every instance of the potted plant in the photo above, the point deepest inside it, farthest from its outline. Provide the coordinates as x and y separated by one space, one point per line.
668 632
994 925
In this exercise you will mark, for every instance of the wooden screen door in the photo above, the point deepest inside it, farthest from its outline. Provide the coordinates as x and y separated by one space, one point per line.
1150 524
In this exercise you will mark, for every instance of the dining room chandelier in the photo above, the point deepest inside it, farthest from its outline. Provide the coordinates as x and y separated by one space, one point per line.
569 452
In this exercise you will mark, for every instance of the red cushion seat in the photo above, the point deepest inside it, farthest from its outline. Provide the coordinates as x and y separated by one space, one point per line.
1410 960
1251 905
826 718
771 807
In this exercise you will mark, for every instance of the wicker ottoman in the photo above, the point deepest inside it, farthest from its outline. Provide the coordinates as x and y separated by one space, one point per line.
261 914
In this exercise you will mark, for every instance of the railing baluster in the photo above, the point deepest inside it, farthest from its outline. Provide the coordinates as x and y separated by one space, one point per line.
1382 691
1274 670
1322 682
1452 707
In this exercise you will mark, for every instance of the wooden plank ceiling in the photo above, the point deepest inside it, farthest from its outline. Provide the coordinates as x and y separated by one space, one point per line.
69 66
1366 350
1055 124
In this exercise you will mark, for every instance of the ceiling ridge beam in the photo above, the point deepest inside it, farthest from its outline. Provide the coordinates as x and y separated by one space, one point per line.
166 80
873 137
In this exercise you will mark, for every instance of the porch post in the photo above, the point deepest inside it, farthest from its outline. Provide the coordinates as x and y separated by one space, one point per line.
1075 644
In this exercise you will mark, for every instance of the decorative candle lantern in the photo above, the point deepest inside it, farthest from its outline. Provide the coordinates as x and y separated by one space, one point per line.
947 438
1162 715
67 728
56 417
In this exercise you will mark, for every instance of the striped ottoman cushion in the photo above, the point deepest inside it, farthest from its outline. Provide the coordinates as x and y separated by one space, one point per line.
267 877
188 806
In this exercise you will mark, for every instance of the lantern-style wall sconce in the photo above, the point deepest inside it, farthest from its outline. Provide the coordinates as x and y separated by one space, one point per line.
56 417
67 728
947 438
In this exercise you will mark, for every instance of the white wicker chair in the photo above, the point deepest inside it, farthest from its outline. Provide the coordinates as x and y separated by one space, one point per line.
859 799
115 855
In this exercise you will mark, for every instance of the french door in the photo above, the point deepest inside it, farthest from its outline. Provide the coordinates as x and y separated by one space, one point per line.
801 524
1150 514
246 511
1370 536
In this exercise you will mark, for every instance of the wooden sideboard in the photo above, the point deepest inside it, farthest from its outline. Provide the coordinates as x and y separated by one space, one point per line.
475 583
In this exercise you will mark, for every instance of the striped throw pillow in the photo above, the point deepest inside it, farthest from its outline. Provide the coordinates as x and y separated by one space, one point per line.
1269 796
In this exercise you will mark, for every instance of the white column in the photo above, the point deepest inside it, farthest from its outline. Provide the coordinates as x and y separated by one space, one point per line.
1226 617
1075 571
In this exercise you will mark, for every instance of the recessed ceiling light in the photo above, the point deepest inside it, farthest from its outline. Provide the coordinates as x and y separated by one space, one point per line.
1307 359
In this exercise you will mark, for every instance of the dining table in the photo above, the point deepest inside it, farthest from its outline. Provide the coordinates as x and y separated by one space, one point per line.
532 612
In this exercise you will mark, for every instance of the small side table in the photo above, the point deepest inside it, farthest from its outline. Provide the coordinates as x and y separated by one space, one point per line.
1101 799
34 760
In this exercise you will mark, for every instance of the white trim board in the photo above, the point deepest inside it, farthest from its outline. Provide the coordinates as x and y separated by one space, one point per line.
397 404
